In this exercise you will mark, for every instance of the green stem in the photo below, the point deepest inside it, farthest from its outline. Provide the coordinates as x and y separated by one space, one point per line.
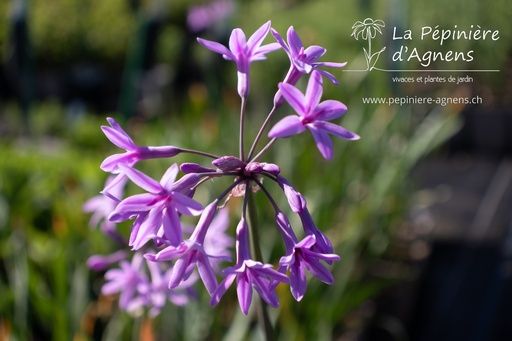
263 316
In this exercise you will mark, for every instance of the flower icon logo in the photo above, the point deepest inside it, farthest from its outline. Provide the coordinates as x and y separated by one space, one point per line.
368 29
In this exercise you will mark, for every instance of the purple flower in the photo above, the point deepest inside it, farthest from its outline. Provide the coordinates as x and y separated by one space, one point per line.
137 290
204 16
189 167
181 254
303 61
312 115
296 201
102 205
228 163
126 280
243 52
260 167
217 242
322 243
158 292
99 263
300 256
249 274
156 211
133 153
190 253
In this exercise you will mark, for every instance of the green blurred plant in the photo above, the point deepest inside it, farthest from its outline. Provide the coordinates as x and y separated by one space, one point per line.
44 241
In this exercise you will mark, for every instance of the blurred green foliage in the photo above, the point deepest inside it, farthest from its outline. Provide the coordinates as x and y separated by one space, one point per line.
360 198
44 239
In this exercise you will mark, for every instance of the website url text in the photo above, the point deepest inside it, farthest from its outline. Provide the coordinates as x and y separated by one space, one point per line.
406 100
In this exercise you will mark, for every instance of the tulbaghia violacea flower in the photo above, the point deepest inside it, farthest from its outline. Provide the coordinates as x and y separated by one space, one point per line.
312 115
249 274
217 242
179 254
158 208
295 199
100 263
133 153
125 281
243 52
102 205
201 17
157 290
137 290
303 61
300 256
191 253
322 243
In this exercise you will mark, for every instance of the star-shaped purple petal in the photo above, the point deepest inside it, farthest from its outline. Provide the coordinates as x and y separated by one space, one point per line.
156 211
249 274
243 52
312 115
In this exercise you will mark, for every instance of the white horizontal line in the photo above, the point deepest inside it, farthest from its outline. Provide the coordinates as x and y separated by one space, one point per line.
421 70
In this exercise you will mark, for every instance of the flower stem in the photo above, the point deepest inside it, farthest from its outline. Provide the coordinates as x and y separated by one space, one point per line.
197 152
242 119
263 317
262 129
269 144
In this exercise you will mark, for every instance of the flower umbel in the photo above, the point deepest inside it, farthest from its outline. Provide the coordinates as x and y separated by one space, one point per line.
168 253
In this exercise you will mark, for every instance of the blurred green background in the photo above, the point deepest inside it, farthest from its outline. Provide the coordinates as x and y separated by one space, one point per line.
68 64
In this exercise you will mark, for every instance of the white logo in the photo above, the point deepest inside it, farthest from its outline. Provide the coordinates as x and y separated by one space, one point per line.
367 30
